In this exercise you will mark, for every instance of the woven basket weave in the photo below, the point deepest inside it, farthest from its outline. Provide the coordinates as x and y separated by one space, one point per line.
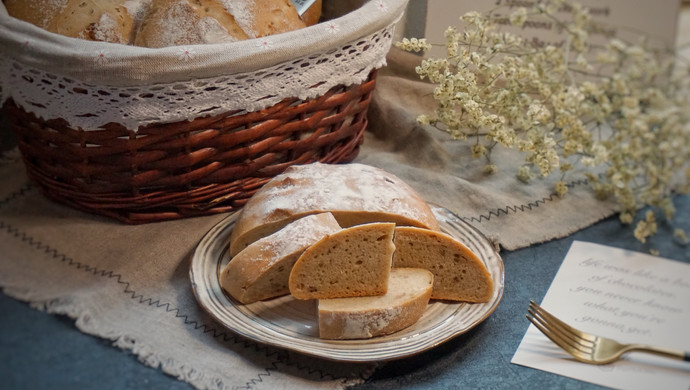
209 165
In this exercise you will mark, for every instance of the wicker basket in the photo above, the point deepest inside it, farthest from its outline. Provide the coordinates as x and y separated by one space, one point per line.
209 165
204 164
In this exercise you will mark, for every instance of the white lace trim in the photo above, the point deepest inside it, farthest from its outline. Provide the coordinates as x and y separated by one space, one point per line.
89 107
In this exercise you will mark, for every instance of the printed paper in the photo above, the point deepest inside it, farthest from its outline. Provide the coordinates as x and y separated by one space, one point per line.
628 296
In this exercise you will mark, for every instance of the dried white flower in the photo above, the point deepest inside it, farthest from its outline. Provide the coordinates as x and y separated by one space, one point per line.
519 17
620 109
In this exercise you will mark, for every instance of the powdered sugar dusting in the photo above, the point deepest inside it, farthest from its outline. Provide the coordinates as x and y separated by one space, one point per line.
243 12
364 317
181 25
137 8
52 7
107 29
365 325
173 27
297 236
349 187
211 31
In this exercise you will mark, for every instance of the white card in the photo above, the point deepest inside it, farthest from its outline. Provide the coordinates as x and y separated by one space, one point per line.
302 5
657 19
629 296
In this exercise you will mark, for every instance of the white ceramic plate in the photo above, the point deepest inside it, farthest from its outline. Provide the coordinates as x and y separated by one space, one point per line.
289 323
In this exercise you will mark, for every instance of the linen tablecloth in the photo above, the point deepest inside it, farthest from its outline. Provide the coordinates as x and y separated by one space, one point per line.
130 284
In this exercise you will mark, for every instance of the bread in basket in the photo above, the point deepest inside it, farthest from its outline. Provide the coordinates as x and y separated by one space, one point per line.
141 134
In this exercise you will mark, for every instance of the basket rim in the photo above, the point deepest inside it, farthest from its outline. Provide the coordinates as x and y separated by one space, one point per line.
178 170
74 57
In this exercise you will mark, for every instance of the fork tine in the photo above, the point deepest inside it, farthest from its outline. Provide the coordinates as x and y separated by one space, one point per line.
569 335
565 339
576 335
559 341
553 337
548 330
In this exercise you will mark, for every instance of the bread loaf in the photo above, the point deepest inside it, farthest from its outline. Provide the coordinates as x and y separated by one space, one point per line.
37 12
270 17
408 294
187 22
459 275
352 262
353 193
161 23
261 271
96 20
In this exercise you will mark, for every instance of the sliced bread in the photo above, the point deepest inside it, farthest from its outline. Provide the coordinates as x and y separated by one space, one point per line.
354 193
408 294
262 270
352 262
459 275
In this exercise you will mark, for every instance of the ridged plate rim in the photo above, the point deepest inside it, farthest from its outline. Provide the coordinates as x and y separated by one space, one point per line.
287 323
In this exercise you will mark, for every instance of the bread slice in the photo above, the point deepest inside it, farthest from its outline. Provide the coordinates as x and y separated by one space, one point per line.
262 270
353 262
408 294
354 193
459 275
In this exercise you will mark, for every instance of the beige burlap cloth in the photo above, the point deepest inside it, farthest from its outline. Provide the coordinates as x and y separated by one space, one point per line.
130 284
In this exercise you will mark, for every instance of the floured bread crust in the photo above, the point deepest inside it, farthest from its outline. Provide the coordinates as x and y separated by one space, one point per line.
96 20
262 270
353 193
274 17
37 12
459 275
353 262
162 23
409 290
187 22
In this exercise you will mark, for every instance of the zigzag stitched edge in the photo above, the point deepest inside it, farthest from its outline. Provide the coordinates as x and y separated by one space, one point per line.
271 353
28 186
523 207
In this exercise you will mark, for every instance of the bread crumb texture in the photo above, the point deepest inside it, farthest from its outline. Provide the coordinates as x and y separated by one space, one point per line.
408 294
353 262
459 275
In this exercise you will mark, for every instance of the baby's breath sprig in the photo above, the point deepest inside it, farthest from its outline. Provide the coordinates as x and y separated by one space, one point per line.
616 113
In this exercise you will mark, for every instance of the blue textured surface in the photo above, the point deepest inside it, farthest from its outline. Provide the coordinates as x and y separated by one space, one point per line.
41 351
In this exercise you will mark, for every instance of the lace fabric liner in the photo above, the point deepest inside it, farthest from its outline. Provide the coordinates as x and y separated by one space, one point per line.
91 84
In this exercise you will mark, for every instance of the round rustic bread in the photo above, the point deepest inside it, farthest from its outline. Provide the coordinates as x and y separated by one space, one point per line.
187 22
36 12
161 23
273 17
96 20
353 193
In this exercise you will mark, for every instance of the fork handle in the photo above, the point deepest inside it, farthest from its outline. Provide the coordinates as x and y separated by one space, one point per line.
665 352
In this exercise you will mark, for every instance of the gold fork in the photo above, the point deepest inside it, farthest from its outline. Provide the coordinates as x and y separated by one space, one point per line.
586 347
